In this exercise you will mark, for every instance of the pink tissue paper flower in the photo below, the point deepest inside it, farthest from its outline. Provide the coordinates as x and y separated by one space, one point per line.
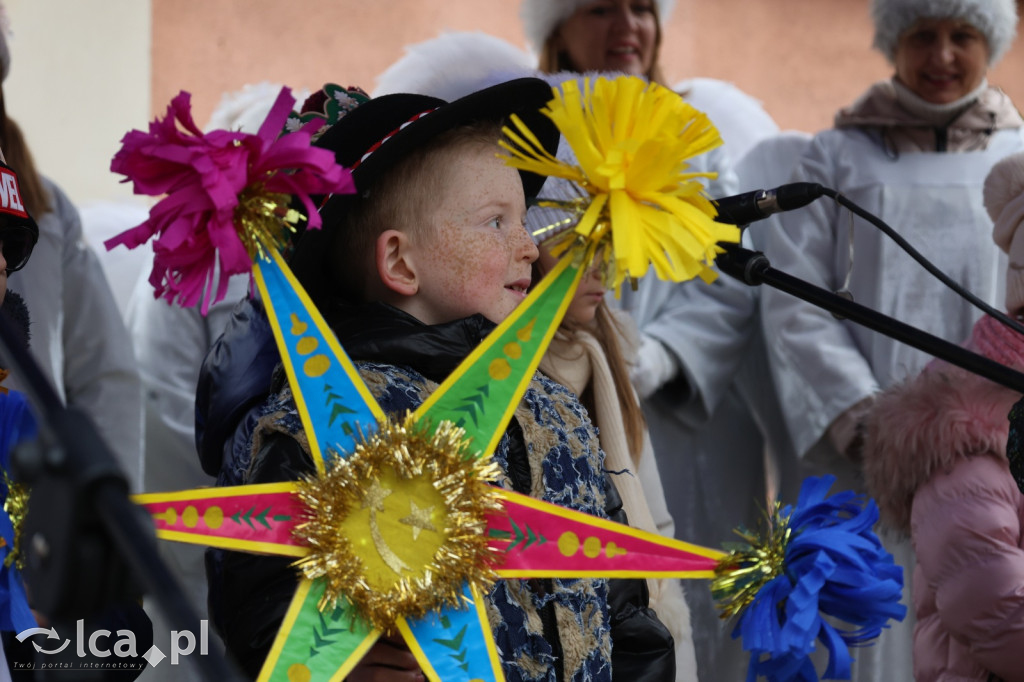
198 246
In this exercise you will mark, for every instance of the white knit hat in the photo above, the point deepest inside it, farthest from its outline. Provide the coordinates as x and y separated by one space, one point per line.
454 64
996 19
542 17
1004 201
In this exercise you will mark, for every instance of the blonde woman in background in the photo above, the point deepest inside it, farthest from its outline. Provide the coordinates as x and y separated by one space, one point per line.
913 150
591 354
703 409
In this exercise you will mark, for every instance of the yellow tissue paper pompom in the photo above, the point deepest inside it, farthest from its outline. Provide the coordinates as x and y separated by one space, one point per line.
631 140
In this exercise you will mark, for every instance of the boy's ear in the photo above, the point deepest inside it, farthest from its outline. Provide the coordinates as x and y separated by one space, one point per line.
394 264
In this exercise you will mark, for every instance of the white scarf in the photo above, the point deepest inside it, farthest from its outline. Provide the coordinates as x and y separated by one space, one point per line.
935 114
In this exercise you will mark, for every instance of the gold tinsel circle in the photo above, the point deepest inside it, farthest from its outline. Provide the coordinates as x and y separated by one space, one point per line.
398 527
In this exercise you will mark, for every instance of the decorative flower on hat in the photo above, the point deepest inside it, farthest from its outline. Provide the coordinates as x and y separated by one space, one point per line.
400 529
325 106
631 140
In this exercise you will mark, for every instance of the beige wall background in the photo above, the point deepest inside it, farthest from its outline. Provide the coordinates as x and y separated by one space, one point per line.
80 77
86 71
802 58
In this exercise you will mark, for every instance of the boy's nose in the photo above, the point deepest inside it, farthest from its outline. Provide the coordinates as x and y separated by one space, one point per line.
525 248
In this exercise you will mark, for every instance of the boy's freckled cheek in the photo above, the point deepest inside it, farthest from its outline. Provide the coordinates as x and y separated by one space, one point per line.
460 258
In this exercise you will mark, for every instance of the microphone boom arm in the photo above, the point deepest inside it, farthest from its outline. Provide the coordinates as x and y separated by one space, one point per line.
753 268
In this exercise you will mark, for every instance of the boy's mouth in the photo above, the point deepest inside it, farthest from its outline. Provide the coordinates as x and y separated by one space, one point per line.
519 287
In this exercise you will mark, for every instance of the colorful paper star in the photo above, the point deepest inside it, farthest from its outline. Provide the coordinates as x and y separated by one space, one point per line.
400 528
521 537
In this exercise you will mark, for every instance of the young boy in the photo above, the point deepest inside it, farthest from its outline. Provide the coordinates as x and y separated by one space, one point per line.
411 273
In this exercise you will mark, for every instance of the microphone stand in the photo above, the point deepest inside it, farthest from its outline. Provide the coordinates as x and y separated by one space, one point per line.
753 268
85 544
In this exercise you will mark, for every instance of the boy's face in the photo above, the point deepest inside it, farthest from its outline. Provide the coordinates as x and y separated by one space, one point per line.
475 256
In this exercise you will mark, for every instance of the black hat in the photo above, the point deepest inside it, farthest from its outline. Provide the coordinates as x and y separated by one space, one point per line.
376 135
18 230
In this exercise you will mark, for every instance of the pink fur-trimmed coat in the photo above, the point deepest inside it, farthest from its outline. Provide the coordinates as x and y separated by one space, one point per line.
935 461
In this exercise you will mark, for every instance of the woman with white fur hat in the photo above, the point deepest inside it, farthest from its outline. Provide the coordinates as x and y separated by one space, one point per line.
913 150
601 35
625 36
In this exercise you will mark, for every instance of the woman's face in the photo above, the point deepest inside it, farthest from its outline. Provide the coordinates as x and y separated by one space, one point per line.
583 308
942 60
610 35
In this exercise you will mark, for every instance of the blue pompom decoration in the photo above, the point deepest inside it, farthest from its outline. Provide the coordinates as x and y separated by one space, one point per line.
16 424
835 584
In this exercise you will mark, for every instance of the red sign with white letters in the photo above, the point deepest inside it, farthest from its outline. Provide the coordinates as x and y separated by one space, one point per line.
10 194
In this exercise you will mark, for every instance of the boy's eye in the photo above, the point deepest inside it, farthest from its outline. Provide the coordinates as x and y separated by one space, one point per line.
495 222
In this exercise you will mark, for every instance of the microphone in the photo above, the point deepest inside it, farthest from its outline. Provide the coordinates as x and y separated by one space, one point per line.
758 204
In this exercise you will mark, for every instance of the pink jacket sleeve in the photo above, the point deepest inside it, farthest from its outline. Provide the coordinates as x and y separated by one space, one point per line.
966 527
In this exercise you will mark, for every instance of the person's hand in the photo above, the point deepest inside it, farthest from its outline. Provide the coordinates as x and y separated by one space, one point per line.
654 367
388 660
1004 200
846 432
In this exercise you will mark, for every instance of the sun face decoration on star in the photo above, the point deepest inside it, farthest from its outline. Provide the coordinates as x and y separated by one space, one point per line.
398 526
